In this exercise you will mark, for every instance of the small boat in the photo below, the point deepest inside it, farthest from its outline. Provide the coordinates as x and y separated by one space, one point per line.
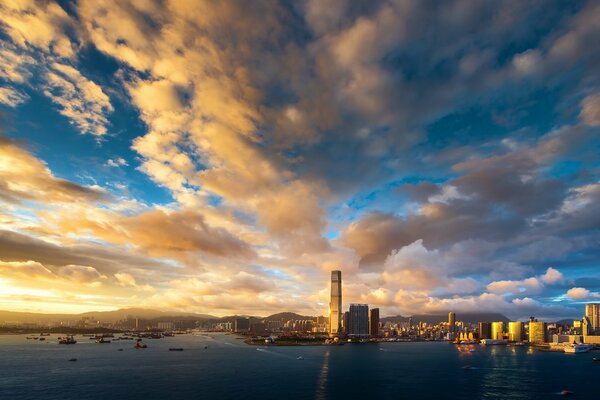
175 349
205 347
565 392
42 338
595 359
72 359
472 351
466 367
299 358
101 340
120 350
139 344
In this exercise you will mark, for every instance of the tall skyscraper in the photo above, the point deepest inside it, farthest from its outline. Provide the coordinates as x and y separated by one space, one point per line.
537 331
374 322
358 321
451 322
335 304
515 331
498 330
592 312
485 330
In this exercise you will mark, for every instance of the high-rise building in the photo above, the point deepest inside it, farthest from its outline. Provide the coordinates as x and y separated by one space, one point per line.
485 330
497 330
345 322
335 304
592 312
374 322
241 325
451 322
515 331
358 321
537 331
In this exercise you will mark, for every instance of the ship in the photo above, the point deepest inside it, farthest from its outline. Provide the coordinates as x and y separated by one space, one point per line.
67 340
101 340
577 348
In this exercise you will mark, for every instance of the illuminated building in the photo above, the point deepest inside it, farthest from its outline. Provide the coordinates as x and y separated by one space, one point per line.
515 331
335 304
537 331
451 322
497 330
592 312
374 322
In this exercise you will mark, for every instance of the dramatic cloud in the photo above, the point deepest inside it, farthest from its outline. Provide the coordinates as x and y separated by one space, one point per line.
222 157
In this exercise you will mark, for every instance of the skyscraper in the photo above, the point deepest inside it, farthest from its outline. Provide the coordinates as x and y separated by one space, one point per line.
515 331
592 312
374 322
485 330
358 321
335 304
451 322
498 330
537 331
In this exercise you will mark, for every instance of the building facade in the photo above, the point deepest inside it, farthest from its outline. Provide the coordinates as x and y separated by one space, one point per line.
592 312
498 330
451 322
515 331
358 321
374 322
537 331
335 303
485 330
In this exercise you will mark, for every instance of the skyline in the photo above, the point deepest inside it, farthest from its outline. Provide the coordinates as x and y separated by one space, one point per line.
220 159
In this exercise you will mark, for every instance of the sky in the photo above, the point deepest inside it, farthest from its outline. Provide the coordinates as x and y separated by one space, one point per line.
224 157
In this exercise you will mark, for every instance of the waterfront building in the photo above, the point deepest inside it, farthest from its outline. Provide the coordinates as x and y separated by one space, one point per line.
451 322
335 303
374 322
498 330
241 325
345 322
592 313
166 326
515 331
358 321
537 331
485 330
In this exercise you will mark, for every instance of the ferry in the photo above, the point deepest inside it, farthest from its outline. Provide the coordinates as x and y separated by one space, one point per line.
578 348
101 340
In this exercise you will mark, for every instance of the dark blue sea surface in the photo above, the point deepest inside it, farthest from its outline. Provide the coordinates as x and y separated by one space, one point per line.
230 369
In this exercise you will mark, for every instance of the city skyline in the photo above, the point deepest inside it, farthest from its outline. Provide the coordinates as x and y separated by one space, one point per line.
213 158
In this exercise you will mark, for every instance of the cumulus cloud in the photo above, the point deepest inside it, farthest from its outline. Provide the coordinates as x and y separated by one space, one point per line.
579 293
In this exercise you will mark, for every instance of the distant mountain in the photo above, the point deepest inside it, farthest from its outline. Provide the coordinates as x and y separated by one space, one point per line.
287 316
568 321
471 318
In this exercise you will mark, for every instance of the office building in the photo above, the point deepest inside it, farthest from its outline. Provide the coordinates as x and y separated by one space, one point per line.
241 325
335 304
498 330
515 331
374 322
485 330
537 331
592 312
451 322
358 321
345 322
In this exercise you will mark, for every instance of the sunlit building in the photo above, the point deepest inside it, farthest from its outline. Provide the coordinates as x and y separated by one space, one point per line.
537 331
358 321
515 331
451 322
374 322
335 304
592 312
498 330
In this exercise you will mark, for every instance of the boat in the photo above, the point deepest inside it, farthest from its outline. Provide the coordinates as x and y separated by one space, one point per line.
595 359
119 349
140 345
67 340
205 347
175 349
299 358
101 340
577 348
42 338
72 359
565 392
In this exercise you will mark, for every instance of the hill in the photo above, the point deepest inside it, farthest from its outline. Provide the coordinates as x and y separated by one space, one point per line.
471 318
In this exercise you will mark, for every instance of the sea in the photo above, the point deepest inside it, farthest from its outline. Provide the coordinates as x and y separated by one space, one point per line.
221 366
